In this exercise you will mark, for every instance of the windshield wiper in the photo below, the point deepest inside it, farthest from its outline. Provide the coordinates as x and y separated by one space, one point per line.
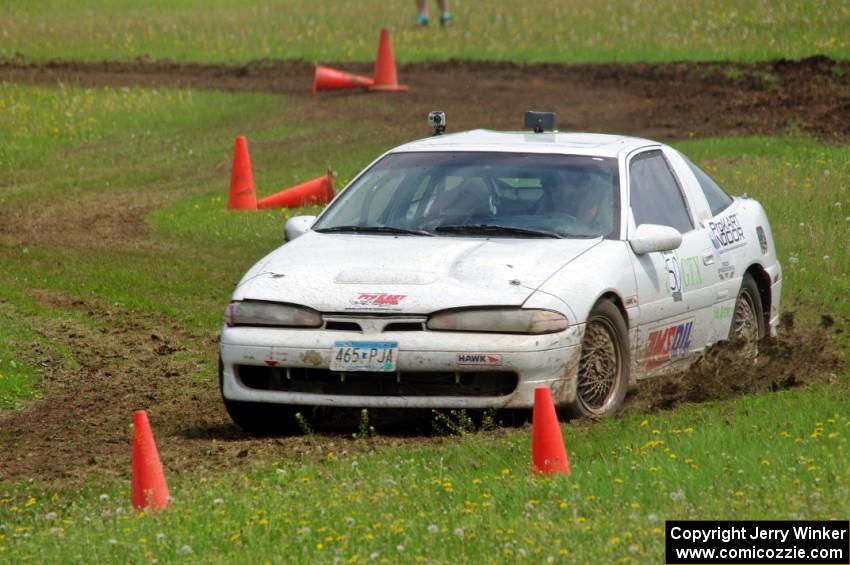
373 229
491 229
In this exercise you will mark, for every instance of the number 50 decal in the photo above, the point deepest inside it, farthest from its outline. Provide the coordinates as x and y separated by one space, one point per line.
674 275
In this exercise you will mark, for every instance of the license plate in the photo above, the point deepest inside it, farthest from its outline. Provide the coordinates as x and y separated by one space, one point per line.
364 356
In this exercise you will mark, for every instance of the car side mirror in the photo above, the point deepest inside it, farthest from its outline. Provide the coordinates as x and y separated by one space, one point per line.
297 226
652 237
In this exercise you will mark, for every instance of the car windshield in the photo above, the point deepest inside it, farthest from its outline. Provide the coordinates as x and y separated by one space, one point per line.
487 194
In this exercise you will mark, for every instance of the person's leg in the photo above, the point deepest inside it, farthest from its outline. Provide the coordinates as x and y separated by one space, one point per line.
422 12
445 15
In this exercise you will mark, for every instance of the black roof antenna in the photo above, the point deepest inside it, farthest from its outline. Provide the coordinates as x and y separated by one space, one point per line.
540 121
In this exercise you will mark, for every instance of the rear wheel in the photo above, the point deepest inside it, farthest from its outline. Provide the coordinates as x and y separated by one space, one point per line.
603 372
258 417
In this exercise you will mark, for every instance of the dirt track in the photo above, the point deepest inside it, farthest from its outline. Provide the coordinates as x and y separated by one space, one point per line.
147 362
675 100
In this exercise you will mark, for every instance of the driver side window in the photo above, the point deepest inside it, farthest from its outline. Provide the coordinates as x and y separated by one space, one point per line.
655 194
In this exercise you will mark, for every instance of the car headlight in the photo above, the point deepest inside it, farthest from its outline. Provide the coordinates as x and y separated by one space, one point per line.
256 313
501 320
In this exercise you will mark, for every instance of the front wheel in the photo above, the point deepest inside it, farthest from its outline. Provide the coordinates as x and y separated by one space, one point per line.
603 372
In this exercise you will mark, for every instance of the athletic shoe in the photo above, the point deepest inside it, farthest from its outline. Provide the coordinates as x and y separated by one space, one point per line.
446 19
423 20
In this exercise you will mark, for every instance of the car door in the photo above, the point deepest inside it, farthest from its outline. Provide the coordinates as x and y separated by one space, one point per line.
674 293
716 214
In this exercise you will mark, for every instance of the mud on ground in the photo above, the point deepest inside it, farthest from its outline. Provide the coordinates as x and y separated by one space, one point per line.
666 101
123 361
794 357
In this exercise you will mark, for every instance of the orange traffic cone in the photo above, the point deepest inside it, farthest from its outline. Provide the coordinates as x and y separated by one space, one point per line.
317 191
242 195
548 455
386 79
149 488
327 78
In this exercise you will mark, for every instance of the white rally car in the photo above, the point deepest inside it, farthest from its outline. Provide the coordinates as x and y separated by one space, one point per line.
464 270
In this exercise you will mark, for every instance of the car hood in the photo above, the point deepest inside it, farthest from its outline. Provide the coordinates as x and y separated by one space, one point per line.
406 274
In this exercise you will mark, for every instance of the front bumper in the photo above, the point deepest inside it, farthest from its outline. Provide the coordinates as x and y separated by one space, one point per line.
432 371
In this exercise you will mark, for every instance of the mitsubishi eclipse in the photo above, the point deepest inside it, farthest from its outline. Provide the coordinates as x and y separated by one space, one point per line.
464 270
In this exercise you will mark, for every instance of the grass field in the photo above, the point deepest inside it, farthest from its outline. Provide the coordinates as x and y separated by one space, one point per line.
159 159
779 456
470 498
340 30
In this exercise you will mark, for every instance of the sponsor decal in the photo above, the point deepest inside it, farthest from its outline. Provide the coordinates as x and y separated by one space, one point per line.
721 312
668 343
726 233
492 359
691 274
726 271
377 299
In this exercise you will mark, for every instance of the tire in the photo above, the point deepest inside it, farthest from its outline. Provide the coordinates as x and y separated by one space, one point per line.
602 379
748 316
258 418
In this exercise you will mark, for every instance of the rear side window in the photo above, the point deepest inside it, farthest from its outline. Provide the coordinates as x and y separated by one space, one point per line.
655 195
717 198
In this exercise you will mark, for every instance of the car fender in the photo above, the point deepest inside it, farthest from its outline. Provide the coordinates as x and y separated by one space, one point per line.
606 269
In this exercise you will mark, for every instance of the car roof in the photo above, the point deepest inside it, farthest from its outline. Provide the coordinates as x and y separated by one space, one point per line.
593 144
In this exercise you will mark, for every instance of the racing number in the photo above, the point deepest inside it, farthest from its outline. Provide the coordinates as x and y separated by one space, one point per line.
674 275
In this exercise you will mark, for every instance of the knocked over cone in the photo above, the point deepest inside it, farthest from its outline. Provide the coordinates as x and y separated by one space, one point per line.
317 191
326 78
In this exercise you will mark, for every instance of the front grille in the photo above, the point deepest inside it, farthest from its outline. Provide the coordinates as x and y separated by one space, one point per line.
431 383
344 326
374 324
404 327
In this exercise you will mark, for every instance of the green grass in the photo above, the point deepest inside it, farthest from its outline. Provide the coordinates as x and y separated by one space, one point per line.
470 498
18 380
779 456
171 148
341 30
167 150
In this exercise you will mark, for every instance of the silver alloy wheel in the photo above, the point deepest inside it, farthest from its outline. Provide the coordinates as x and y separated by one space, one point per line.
599 367
745 324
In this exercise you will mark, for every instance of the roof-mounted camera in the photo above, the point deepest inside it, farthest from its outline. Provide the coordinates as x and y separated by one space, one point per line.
540 121
437 120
